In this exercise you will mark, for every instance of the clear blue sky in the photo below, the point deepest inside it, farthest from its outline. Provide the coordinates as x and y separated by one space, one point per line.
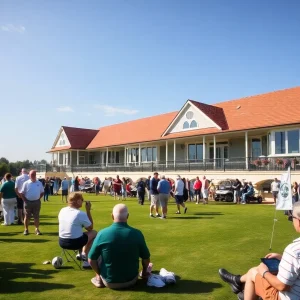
94 63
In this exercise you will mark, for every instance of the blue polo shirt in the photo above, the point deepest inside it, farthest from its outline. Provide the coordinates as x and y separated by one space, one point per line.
153 186
164 187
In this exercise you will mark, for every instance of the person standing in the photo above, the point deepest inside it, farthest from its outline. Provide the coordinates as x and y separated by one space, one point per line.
179 186
237 191
117 186
18 187
205 185
154 195
124 191
164 189
191 190
76 184
106 186
64 189
148 187
9 200
141 187
32 192
46 189
197 189
275 186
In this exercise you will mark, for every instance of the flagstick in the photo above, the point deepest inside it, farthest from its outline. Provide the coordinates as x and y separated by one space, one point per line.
275 220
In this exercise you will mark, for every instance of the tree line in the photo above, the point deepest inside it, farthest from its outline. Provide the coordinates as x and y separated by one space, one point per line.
15 167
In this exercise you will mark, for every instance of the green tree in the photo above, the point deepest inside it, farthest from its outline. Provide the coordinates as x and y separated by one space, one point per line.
4 160
3 169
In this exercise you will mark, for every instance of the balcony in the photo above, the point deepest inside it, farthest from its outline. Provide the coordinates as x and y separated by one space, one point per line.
232 164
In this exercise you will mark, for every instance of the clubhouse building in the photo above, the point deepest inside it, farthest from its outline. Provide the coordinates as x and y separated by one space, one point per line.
254 138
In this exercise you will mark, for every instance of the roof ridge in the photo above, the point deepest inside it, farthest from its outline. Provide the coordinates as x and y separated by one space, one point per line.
150 117
78 128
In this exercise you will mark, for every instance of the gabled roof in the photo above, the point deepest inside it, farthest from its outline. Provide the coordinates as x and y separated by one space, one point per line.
141 130
79 138
266 110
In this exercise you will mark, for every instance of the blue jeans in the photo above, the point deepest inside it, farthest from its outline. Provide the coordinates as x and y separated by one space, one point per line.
46 194
244 196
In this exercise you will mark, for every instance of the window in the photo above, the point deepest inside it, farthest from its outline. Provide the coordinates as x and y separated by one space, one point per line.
148 154
81 159
293 141
264 145
280 142
195 152
186 125
189 115
144 154
256 148
193 124
117 157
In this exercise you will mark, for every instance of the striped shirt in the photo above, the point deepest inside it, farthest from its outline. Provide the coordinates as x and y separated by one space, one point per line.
289 271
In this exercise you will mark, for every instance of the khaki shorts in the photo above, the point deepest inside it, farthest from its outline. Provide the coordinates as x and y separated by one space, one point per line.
163 199
154 199
32 208
264 289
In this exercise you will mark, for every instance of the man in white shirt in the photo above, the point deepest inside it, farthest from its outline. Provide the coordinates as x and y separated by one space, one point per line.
275 186
18 188
71 221
204 191
259 281
106 185
179 186
32 191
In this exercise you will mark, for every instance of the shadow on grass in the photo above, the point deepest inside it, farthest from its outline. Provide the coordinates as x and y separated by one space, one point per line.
10 271
34 241
48 223
9 233
50 234
204 213
189 217
182 286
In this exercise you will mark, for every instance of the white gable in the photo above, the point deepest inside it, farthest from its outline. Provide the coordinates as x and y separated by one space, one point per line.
62 140
190 118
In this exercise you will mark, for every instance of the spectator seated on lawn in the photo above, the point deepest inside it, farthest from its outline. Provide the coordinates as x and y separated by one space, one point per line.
116 251
247 193
71 220
259 281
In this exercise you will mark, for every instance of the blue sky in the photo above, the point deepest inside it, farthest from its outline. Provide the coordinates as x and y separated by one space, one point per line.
94 63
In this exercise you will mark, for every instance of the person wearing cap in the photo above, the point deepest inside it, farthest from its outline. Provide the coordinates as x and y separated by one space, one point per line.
269 284
154 195
18 187
179 186
64 189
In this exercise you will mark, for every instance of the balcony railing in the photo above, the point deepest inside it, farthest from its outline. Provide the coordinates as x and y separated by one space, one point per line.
232 164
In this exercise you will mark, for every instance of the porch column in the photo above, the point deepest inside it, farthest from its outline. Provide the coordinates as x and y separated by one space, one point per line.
246 149
100 157
139 154
70 163
174 153
106 156
58 158
125 156
77 157
166 153
204 150
215 152
52 158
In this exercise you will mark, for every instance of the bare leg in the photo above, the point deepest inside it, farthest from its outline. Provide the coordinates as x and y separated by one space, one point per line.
91 236
36 223
26 222
249 279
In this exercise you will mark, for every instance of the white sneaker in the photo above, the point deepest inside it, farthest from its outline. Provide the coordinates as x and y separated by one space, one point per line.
156 281
168 277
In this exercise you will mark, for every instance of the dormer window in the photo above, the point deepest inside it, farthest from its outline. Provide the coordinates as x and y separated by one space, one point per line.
193 124
186 125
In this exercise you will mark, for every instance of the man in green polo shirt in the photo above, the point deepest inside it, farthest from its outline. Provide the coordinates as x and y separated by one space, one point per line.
116 251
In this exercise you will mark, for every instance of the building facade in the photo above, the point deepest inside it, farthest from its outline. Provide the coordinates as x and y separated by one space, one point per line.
257 136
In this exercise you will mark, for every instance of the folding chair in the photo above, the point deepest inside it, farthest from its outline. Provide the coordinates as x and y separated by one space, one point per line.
73 256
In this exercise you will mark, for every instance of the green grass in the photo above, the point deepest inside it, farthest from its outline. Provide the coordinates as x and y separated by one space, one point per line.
194 246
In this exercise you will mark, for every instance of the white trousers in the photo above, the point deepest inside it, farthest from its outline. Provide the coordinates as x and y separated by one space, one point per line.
8 210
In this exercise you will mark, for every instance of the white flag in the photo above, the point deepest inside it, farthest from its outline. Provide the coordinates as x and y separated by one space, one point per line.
284 200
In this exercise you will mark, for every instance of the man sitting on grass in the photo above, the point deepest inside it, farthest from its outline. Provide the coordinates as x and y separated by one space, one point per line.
71 220
259 281
116 251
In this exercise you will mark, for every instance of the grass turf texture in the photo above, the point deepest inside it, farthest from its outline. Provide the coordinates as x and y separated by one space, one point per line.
194 246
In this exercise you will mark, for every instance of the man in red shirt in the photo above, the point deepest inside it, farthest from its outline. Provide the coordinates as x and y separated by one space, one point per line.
117 186
197 188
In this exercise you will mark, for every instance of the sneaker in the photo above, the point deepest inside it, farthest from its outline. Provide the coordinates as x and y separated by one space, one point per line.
26 232
78 256
97 283
177 212
156 281
4 224
151 216
86 264
158 215
37 232
185 210
240 296
231 280
167 277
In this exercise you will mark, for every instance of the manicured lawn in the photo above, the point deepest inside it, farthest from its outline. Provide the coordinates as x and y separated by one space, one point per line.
194 246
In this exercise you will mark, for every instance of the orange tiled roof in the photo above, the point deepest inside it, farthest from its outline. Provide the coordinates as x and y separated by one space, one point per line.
265 110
